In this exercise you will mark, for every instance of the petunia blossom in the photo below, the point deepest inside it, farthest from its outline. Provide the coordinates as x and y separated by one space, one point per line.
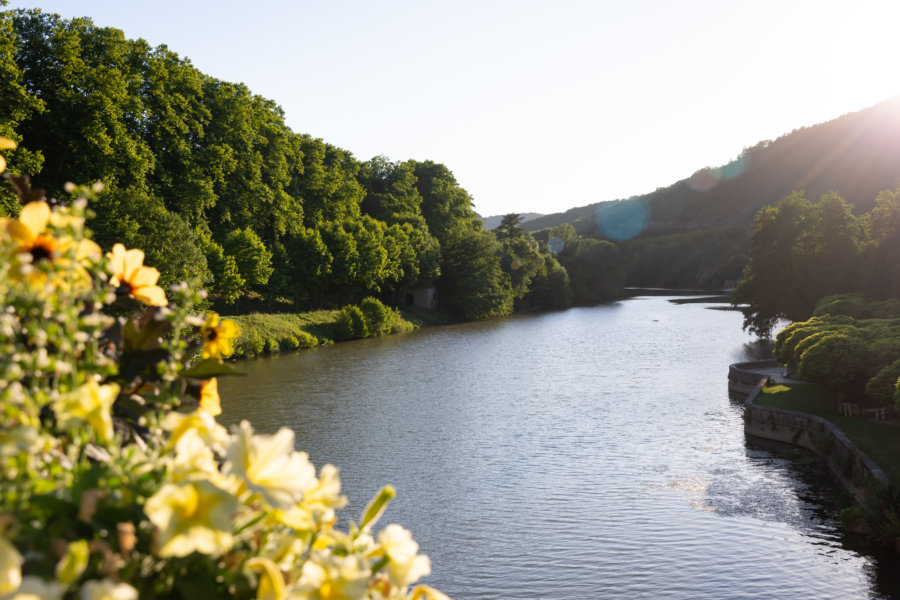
269 465
191 516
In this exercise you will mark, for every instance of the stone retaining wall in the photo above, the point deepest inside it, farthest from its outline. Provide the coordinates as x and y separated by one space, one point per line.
855 470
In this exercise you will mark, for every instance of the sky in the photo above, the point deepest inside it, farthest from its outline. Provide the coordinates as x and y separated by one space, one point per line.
536 106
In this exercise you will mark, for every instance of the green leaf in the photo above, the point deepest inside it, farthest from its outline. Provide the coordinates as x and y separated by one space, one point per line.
211 367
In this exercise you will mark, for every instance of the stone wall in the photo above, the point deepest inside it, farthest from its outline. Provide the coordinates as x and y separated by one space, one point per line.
854 469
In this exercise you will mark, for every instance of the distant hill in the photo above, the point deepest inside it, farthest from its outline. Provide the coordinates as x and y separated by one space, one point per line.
857 155
493 222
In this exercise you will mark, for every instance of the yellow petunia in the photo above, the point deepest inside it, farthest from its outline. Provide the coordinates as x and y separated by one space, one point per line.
5 144
269 466
200 422
192 516
326 576
271 581
209 397
217 336
10 567
91 404
131 277
405 566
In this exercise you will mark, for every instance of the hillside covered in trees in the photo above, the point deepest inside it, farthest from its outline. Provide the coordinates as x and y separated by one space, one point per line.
207 178
696 232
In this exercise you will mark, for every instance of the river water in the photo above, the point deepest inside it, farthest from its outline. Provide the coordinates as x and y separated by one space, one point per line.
589 453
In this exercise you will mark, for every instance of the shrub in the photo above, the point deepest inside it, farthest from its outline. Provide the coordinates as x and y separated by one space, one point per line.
115 478
351 323
379 318
883 386
834 360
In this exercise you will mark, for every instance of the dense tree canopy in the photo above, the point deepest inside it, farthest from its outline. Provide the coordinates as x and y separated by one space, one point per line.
209 180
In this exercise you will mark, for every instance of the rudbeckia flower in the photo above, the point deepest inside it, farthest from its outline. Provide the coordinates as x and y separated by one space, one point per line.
28 232
192 516
130 276
30 236
217 335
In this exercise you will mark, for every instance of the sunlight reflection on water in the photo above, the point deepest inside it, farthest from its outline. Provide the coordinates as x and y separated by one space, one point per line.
590 453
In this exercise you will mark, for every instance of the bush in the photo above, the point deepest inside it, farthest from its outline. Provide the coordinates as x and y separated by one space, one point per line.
351 323
883 386
834 360
379 318
116 481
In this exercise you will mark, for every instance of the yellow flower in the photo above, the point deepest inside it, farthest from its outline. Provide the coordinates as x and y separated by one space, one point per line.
425 592
325 496
5 144
271 581
106 589
91 404
199 421
405 566
31 237
217 336
130 276
74 562
269 466
209 397
194 459
192 516
10 567
328 577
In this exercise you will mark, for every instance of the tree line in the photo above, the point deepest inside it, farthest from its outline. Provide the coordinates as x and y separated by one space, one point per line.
209 180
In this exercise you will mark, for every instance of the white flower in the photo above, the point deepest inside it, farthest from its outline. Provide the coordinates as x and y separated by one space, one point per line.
405 565
269 465
35 588
106 589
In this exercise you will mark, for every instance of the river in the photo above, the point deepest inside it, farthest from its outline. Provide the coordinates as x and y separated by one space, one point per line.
589 453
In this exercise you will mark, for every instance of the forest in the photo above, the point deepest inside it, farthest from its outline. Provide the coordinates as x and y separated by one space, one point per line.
209 180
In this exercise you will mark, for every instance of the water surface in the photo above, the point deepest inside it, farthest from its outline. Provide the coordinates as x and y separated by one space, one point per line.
590 453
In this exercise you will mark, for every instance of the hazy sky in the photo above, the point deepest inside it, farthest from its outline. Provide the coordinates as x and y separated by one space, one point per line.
535 106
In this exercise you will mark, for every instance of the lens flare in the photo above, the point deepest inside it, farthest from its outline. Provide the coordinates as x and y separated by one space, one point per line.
555 245
623 220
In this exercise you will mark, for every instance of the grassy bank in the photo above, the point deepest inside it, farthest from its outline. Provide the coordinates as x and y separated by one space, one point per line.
880 440
264 334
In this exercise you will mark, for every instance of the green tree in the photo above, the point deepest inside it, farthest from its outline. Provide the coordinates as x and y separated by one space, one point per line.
472 284
446 206
253 259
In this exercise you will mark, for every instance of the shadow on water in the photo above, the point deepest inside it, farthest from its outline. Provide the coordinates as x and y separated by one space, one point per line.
821 499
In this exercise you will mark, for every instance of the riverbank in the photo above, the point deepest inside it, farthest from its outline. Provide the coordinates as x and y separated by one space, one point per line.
265 334
806 415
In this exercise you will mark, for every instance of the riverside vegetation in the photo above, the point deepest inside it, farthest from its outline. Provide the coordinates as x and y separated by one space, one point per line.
117 482
835 275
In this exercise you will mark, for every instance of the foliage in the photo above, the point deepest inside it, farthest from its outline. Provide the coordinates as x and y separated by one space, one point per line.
116 479
472 282
379 318
268 334
800 252
352 323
